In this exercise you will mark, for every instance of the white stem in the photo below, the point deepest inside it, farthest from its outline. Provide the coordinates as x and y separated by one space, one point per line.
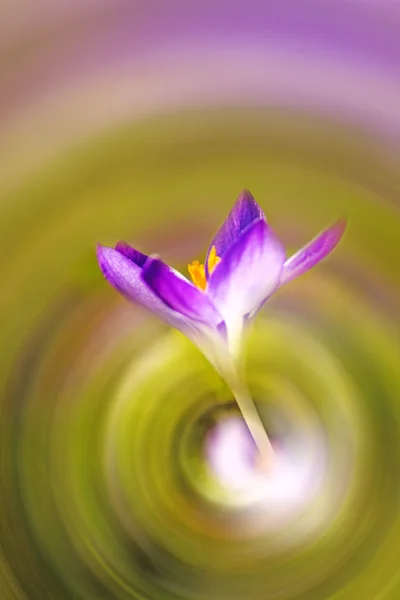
253 421
228 365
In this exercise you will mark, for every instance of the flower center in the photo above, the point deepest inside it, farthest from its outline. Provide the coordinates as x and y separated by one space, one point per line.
197 270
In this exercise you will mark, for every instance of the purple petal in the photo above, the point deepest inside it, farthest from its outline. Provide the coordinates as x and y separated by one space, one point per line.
179 294
126 277
134 255
313 253
244 212
248 273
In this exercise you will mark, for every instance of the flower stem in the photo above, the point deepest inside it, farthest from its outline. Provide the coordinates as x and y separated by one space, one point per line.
230 367
253 421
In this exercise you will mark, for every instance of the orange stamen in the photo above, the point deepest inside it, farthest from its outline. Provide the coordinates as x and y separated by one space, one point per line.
197 270
213 260
198 274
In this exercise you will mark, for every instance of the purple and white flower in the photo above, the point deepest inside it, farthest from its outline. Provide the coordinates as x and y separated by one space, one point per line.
245 264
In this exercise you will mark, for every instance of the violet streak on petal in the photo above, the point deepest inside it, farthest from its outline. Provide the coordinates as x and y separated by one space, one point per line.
134 255
248 273
126 277
179 294
311 254
244 212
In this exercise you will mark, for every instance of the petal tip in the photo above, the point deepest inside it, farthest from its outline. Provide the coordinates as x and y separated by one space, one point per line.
132 254
341 224
337 230
244 213
246 199
122 247
311 254
246 195
104 258
100 252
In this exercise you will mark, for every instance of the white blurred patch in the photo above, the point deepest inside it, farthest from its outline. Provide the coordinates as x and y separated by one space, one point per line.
282 490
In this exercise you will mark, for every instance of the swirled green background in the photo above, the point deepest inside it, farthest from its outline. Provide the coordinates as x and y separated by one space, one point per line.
106 414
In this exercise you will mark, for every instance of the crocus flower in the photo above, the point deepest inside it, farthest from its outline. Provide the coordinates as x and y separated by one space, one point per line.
245 264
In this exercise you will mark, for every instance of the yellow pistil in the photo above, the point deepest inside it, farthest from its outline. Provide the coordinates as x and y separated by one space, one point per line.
197 270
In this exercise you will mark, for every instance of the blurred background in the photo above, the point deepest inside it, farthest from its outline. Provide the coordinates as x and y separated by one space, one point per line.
143 120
